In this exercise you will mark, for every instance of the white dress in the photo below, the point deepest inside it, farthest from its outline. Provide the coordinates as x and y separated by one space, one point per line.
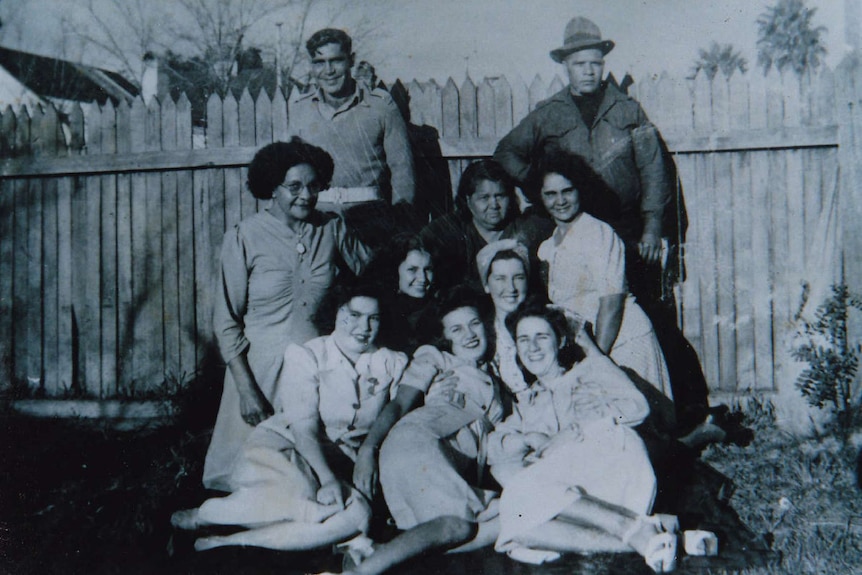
588 414
273 483
587 263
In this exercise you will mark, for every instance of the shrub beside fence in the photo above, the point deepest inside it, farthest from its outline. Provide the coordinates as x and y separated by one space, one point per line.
111 221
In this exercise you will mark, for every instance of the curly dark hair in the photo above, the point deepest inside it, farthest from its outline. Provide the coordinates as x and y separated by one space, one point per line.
271 163
583 177
485 170
431 323
329 36
385 265
341 293
569 353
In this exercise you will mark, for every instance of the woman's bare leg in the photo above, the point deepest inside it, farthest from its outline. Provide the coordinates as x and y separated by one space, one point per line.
442 532
566 537
298 536
621 523
486 535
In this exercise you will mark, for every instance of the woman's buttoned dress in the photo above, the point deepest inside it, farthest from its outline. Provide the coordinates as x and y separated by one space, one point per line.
272 281
587 263
588 414
273 483
433 458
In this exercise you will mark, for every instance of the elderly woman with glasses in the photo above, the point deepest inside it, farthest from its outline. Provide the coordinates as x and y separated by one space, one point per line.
276 266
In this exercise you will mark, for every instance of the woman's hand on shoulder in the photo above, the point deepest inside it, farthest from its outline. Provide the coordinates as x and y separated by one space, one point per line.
444 384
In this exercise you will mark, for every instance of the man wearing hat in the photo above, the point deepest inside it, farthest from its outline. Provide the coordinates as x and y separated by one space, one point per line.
594 119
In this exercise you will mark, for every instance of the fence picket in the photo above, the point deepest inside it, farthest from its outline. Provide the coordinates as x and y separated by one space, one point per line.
136 350
762 281
537 91
128 136
109 254
737 102
502 106
702 104
791 93
232 191
823 106
77 138
431 93
744 269
757 98
247 202
186 223
781 291
702 204
774 100
263 109
485 109
417 103
465 108
169 282
279 117
7 254
720 103
7 133
520 102
65 332
152 311
449 100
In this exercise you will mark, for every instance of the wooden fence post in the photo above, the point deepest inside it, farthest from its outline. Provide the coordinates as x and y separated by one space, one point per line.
849 110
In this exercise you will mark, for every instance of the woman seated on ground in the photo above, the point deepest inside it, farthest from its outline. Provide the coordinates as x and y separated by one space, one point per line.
504 268
576 477
585 262
306 475
276 266
432 462
486 210
405 267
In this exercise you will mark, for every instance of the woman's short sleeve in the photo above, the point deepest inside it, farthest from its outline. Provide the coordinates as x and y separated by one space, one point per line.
426 363
298 392
613 258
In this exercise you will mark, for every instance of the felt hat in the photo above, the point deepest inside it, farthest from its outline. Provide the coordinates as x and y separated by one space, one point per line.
486 255
581 34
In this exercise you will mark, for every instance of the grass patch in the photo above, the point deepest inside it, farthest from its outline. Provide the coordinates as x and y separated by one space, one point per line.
77 497
800 494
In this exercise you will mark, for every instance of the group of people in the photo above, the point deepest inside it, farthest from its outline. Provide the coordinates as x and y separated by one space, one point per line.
485 379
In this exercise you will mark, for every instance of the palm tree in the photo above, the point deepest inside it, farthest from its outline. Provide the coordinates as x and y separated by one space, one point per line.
788 39
722 57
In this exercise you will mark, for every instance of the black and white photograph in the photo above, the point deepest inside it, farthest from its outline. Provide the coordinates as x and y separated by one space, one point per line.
319 287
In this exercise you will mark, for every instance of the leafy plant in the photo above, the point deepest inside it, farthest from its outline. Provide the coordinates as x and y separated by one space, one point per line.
787 37
723 57
832 360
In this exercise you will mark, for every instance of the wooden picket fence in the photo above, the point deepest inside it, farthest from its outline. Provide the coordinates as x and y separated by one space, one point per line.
111 220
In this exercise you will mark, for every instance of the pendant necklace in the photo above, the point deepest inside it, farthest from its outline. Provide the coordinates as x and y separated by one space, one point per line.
300 247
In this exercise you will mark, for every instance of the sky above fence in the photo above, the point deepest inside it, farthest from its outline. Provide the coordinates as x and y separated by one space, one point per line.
441 38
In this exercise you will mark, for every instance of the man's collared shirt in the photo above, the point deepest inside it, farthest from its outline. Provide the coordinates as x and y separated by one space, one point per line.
364 136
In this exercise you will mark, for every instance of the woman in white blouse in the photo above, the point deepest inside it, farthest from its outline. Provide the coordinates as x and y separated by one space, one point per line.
306 475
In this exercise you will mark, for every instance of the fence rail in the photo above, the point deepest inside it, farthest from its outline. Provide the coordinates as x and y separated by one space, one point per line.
111 218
